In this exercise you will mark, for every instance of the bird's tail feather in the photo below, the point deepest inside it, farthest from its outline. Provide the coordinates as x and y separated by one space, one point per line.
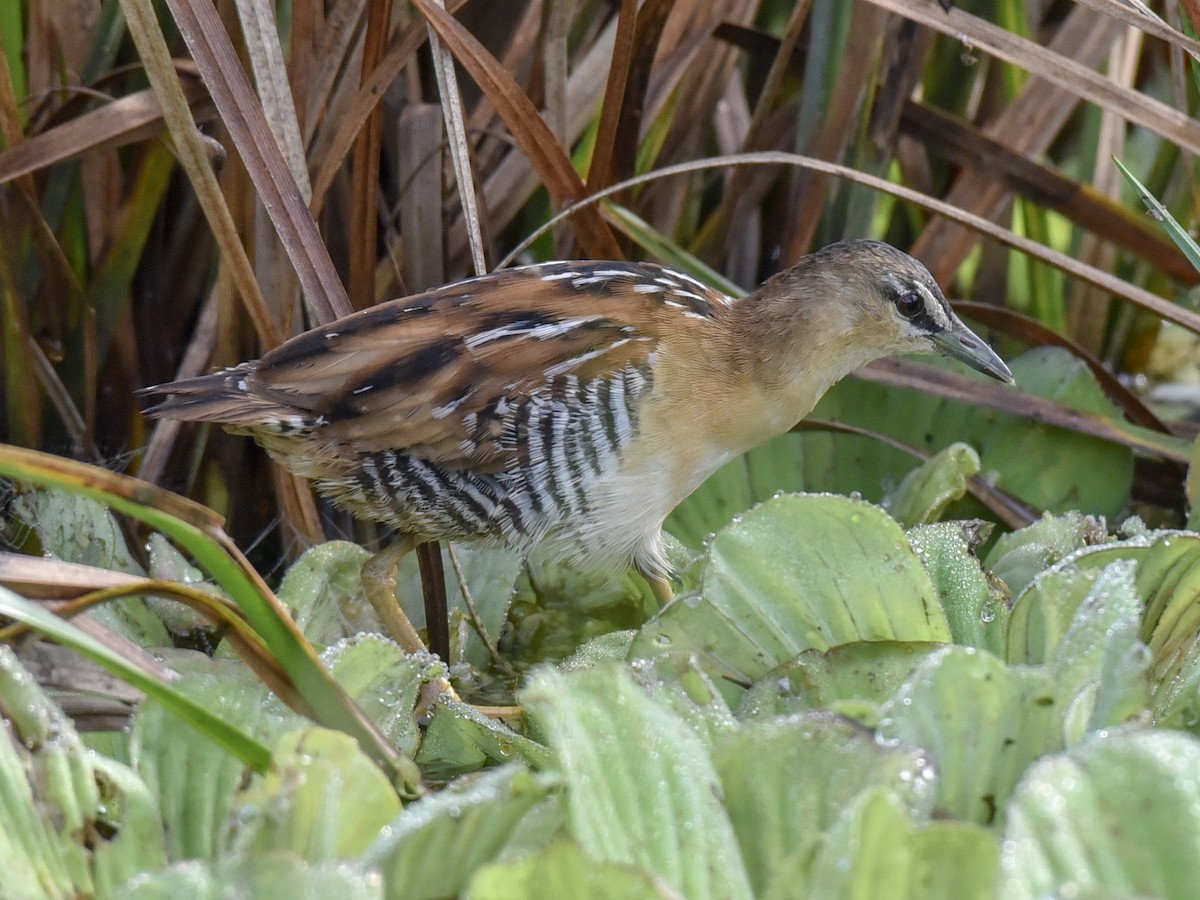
222 397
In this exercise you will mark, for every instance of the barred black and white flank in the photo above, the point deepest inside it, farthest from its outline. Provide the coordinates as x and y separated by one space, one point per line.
574 403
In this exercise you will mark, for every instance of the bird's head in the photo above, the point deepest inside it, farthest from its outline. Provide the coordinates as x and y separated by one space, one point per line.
863 300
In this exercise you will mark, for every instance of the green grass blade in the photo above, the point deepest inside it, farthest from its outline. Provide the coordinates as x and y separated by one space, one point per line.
237 742
1171 226
213 551
666 250
12 43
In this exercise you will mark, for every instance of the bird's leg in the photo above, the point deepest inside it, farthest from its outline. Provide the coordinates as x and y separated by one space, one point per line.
379 582
660 586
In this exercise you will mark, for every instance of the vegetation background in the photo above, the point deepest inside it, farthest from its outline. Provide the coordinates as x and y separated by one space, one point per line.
184 185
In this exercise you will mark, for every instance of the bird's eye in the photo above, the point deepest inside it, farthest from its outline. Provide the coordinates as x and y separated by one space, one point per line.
910 304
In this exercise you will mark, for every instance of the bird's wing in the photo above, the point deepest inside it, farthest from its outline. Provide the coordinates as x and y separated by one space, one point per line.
442 374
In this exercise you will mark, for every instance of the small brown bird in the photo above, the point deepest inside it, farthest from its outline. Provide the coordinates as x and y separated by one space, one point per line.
572 404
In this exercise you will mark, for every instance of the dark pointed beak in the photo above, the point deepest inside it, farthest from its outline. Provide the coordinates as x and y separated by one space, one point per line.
961 343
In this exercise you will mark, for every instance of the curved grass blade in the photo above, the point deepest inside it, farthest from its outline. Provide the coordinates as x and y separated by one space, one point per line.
198 530
219 612
1150 302
653 241
237 742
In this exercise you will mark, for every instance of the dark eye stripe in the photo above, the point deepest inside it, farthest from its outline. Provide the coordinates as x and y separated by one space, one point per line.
926 323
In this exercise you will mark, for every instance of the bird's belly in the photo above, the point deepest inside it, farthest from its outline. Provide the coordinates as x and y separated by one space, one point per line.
621 525
627 509
601 517
598 518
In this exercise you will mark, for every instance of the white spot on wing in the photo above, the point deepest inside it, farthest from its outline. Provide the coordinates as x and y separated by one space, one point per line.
588 281
575 362
541 332
440 412
700 285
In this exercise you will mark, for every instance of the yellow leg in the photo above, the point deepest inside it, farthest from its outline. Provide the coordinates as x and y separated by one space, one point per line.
379 583
660 586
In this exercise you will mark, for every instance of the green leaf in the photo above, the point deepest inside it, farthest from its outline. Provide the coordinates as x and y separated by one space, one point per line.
323 591
982 722
1044 612
610 647
563 869
462 739
168 564
559 608
640 787
927 490
261 877
868 852
1018 556
876 850
433 848
976 604
852 680
788 781
1117 816
688 691
1048 467
954 861
798 572
129 814
1099 667
323 799
385 682
1169 580
56 796
81 530
195 780
249 751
